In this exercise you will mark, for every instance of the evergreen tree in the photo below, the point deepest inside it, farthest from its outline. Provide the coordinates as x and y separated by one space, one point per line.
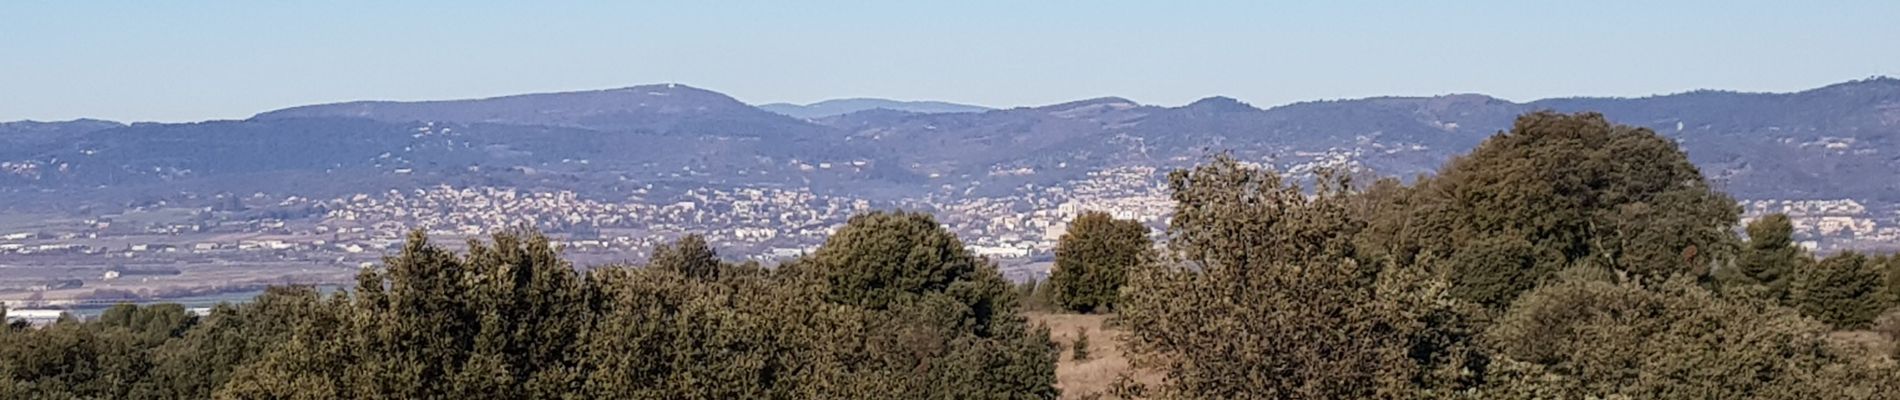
1093 259
1890 265
1843 290
1770 257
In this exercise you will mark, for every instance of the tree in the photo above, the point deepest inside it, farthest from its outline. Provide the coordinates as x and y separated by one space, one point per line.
881 258
690 256
501 322
511 320
1843 290
1575 188
1770 257
1890 265
796 333
1264 298
71 359
932 306
229 338
1093 258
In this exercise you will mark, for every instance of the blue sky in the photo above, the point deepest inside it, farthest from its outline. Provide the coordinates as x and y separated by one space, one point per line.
196 60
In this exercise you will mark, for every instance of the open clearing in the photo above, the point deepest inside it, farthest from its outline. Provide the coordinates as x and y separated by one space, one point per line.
1106 363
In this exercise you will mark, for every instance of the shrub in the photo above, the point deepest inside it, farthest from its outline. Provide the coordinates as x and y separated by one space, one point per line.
1080 348
1843 290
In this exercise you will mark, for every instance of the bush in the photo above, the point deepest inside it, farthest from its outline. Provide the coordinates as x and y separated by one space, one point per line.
1843 290
1080 348
1598 339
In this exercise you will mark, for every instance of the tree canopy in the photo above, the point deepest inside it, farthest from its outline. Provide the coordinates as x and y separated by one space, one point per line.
1093 259
1565 189
511 319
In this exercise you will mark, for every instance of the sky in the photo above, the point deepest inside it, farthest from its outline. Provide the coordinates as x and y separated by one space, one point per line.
175 61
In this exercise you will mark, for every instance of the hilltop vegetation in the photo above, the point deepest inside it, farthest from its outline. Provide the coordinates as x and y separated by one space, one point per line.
1568 257
893 308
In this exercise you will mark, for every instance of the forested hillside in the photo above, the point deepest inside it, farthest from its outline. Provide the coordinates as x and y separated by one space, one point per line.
1566 257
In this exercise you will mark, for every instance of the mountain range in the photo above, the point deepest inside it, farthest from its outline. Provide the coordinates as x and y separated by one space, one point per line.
1840 141
830 108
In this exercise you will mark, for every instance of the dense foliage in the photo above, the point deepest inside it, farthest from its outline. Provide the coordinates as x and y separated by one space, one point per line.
1587 337
1266 300
1560 190
1567 258
510 319
1845 290
1093 259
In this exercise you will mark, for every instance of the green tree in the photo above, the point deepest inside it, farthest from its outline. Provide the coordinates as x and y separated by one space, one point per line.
690 256
227 339
501 322
1093 259
510 319
881 258
106 358
1770 257
1575 188
1843 290
933 306
1890 265
152 325
662 334
321 360
1265 298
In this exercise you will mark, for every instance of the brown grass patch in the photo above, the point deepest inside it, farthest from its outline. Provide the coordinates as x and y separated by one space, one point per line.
1874 346
1106 363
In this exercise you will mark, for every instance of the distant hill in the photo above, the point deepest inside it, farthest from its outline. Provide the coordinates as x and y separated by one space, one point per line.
831 108
1839 141
665 109
24 139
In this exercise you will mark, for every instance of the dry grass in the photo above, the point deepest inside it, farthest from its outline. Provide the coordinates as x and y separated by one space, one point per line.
1106 363
1873 345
